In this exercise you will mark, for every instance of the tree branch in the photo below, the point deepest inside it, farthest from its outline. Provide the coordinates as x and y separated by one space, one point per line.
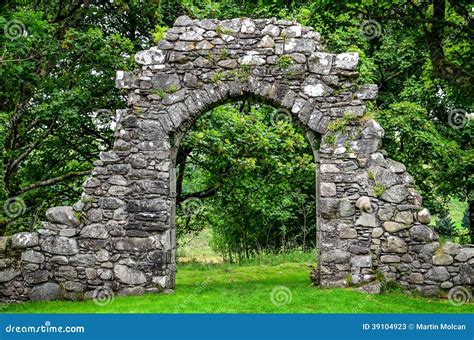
202 194
61 17
29 149
50 181
179 181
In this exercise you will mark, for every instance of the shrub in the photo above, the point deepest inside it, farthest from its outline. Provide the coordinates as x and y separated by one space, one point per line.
445 226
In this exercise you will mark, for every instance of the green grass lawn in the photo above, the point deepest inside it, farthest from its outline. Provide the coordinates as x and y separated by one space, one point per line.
247 289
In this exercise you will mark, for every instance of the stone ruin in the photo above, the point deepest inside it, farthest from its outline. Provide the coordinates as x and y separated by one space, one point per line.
120 236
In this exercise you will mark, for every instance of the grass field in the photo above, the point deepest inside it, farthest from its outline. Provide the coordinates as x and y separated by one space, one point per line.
248 288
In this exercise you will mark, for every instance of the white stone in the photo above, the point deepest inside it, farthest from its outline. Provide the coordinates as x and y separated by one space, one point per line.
347 61
367 92
183 20
248 26
320 62
191 36
465 254
227 37
62 215
271 30
97 231
394 244
290 45
367 220
129 275
327 189
266 42
150 56
298 105
377 232
363 203
329 168
251 60
393 227
442 260
160 280
424 216
446 285
364 261
32 256
390 258
24 240
292 31
204 45
316 90
451 248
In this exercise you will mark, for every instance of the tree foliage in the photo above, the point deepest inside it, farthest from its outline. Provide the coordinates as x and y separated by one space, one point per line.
248 173
59 72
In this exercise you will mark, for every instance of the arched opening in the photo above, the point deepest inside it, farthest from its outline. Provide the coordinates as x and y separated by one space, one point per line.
245 187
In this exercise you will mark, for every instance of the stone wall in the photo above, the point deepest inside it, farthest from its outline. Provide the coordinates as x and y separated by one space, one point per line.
373 222
120 236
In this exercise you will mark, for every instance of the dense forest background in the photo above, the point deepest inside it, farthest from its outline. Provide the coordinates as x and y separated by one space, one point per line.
238 171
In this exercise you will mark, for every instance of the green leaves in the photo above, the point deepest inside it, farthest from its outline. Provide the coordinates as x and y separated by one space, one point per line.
265 172
54 78
58 63
434 161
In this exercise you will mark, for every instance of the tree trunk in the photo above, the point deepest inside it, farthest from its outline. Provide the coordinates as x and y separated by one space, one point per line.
471 221
3 227
304 230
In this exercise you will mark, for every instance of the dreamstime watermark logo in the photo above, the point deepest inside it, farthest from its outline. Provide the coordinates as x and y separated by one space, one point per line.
470 196
281 296
104 119
14 207
14 29
280 116
370 29
459 296
103 296
198 290
192 206
457 118
46 328
4 304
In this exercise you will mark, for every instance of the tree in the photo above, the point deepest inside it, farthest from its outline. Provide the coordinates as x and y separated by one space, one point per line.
57 97
57 73
253 172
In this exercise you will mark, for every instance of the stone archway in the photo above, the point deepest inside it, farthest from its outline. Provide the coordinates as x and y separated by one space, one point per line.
121 235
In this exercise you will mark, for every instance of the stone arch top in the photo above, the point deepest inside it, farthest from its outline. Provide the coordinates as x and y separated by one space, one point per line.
201 62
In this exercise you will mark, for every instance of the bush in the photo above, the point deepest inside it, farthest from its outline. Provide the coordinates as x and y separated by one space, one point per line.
466 222
445 226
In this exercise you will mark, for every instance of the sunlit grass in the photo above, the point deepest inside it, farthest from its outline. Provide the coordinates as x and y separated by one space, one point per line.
247 289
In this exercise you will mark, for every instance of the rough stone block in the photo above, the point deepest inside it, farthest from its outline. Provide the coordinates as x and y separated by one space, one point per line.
129 275
62 215
24 240
45 292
